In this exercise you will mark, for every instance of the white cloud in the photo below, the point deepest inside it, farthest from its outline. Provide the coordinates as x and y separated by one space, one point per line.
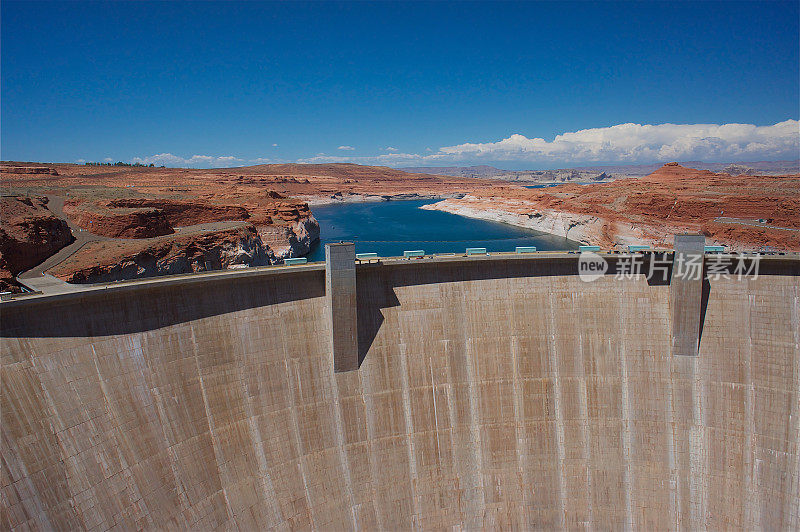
274 145
640 143
197 161
623 143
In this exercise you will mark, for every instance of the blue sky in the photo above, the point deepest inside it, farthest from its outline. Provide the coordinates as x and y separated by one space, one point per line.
531 85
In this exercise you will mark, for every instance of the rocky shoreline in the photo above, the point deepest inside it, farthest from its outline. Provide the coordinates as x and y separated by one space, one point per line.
581 228
744 214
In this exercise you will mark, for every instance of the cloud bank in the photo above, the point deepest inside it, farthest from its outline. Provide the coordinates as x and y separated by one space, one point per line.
636 143
622 143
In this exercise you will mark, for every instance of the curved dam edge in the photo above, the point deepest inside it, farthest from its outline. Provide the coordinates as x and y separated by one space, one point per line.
493 392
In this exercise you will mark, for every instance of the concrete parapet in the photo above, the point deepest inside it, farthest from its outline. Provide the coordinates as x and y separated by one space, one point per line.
686 293
340 289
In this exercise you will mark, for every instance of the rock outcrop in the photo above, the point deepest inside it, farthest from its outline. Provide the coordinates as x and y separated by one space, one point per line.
29 233
293 240
183 213
171 255
119 223
244 246
146 218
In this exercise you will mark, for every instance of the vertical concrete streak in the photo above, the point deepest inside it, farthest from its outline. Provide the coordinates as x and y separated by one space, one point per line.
519 434
451 414
553 362
627 471
215 443
586 452
341 441
758 501
435 415
296 440
672 437
103 389
793 509
409 428
697 457
474 423
752 510
369 391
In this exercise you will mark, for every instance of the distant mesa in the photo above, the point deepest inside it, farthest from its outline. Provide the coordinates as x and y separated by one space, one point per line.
594 174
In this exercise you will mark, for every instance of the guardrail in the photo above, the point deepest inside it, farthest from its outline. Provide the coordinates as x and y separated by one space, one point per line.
295 261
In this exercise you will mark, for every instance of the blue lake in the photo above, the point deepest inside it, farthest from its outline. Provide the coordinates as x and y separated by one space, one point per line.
390 227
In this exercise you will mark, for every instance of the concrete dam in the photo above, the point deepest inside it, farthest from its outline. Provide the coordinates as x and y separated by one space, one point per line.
474 392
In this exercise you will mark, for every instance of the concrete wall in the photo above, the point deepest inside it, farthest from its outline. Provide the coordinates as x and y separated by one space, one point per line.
491 393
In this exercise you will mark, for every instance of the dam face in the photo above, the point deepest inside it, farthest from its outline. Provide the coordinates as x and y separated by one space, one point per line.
491 393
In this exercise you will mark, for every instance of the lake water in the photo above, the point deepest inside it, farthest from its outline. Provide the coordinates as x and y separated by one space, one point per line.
390 227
